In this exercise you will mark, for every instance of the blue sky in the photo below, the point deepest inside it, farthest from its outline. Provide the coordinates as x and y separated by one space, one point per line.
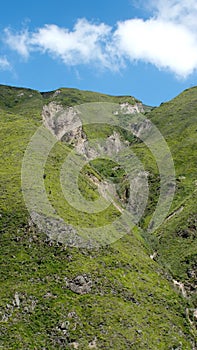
147 49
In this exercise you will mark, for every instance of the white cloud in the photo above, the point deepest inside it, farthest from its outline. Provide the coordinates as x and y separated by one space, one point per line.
82 45
164 44
168 40
18 42
4 63
178 11
86 43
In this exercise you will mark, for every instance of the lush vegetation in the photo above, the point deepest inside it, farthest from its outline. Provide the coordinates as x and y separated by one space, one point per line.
132 303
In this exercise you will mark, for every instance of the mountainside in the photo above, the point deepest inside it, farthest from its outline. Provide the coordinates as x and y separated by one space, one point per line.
93 279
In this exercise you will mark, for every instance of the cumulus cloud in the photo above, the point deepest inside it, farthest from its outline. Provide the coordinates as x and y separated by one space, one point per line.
86 43
18 42
4 63
178 11
164 44
168 39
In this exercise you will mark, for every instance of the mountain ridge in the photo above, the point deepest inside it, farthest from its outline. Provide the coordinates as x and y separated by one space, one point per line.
123 296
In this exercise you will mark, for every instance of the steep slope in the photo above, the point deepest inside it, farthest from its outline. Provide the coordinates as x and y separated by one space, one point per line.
177 250
114 297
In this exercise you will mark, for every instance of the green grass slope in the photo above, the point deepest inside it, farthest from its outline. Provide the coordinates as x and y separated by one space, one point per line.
177 248
128 300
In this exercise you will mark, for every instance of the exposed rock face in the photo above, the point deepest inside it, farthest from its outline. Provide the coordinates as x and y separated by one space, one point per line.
80 285
127 108
141 128
58 230
138 194
112 145
63 122
56 93
66 125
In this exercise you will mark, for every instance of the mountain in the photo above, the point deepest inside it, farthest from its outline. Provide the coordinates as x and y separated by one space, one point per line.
75 278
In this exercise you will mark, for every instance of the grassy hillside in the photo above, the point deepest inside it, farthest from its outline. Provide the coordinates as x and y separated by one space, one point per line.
177 250
113 297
